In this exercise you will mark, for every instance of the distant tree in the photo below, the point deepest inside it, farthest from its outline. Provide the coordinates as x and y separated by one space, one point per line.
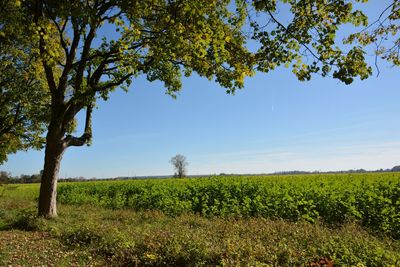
179 163
396 168
28 179
4 177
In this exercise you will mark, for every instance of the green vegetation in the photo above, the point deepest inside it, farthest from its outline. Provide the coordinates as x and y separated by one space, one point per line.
23 91
232 233
373 200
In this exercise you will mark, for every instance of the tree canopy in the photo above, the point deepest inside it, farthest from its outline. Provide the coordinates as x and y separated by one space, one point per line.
307 41
383 34
23 91
160 39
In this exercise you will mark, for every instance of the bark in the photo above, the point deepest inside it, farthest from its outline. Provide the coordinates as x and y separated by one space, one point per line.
48 187
56 145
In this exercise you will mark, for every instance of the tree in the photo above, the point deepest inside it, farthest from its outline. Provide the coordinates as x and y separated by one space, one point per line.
163 40
306 41
159 39
4 180
179 163
395 169
23 91
383 34
4 177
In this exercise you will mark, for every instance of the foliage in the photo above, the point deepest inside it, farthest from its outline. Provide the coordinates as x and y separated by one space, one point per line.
165 39
305 39
383 34
161 40
371 199
23 90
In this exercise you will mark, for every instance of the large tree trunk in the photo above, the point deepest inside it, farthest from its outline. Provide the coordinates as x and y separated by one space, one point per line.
56 144
52 160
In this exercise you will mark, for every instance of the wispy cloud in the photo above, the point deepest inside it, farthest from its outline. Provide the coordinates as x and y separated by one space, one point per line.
367 156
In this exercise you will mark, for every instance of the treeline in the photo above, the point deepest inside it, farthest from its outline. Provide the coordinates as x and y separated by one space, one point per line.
394 169
7 178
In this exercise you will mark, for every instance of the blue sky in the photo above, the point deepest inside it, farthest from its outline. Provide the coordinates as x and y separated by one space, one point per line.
275 123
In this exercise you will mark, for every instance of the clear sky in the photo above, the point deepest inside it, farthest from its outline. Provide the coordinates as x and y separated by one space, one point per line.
275 123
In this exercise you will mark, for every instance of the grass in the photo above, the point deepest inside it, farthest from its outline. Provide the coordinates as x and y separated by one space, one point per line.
89 235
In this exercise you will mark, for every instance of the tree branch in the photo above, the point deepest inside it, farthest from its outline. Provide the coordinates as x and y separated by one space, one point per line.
85 138
48 71
110 85
84 55
290 33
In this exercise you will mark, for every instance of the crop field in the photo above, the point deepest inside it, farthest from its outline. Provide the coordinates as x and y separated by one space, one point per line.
371 199
299 220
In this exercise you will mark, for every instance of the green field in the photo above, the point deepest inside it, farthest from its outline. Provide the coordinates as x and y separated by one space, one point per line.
371 199
347 219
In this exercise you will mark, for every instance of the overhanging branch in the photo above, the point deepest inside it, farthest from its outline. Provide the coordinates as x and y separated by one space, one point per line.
291 34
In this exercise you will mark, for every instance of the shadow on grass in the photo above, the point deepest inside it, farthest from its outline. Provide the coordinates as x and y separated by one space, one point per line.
23 219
